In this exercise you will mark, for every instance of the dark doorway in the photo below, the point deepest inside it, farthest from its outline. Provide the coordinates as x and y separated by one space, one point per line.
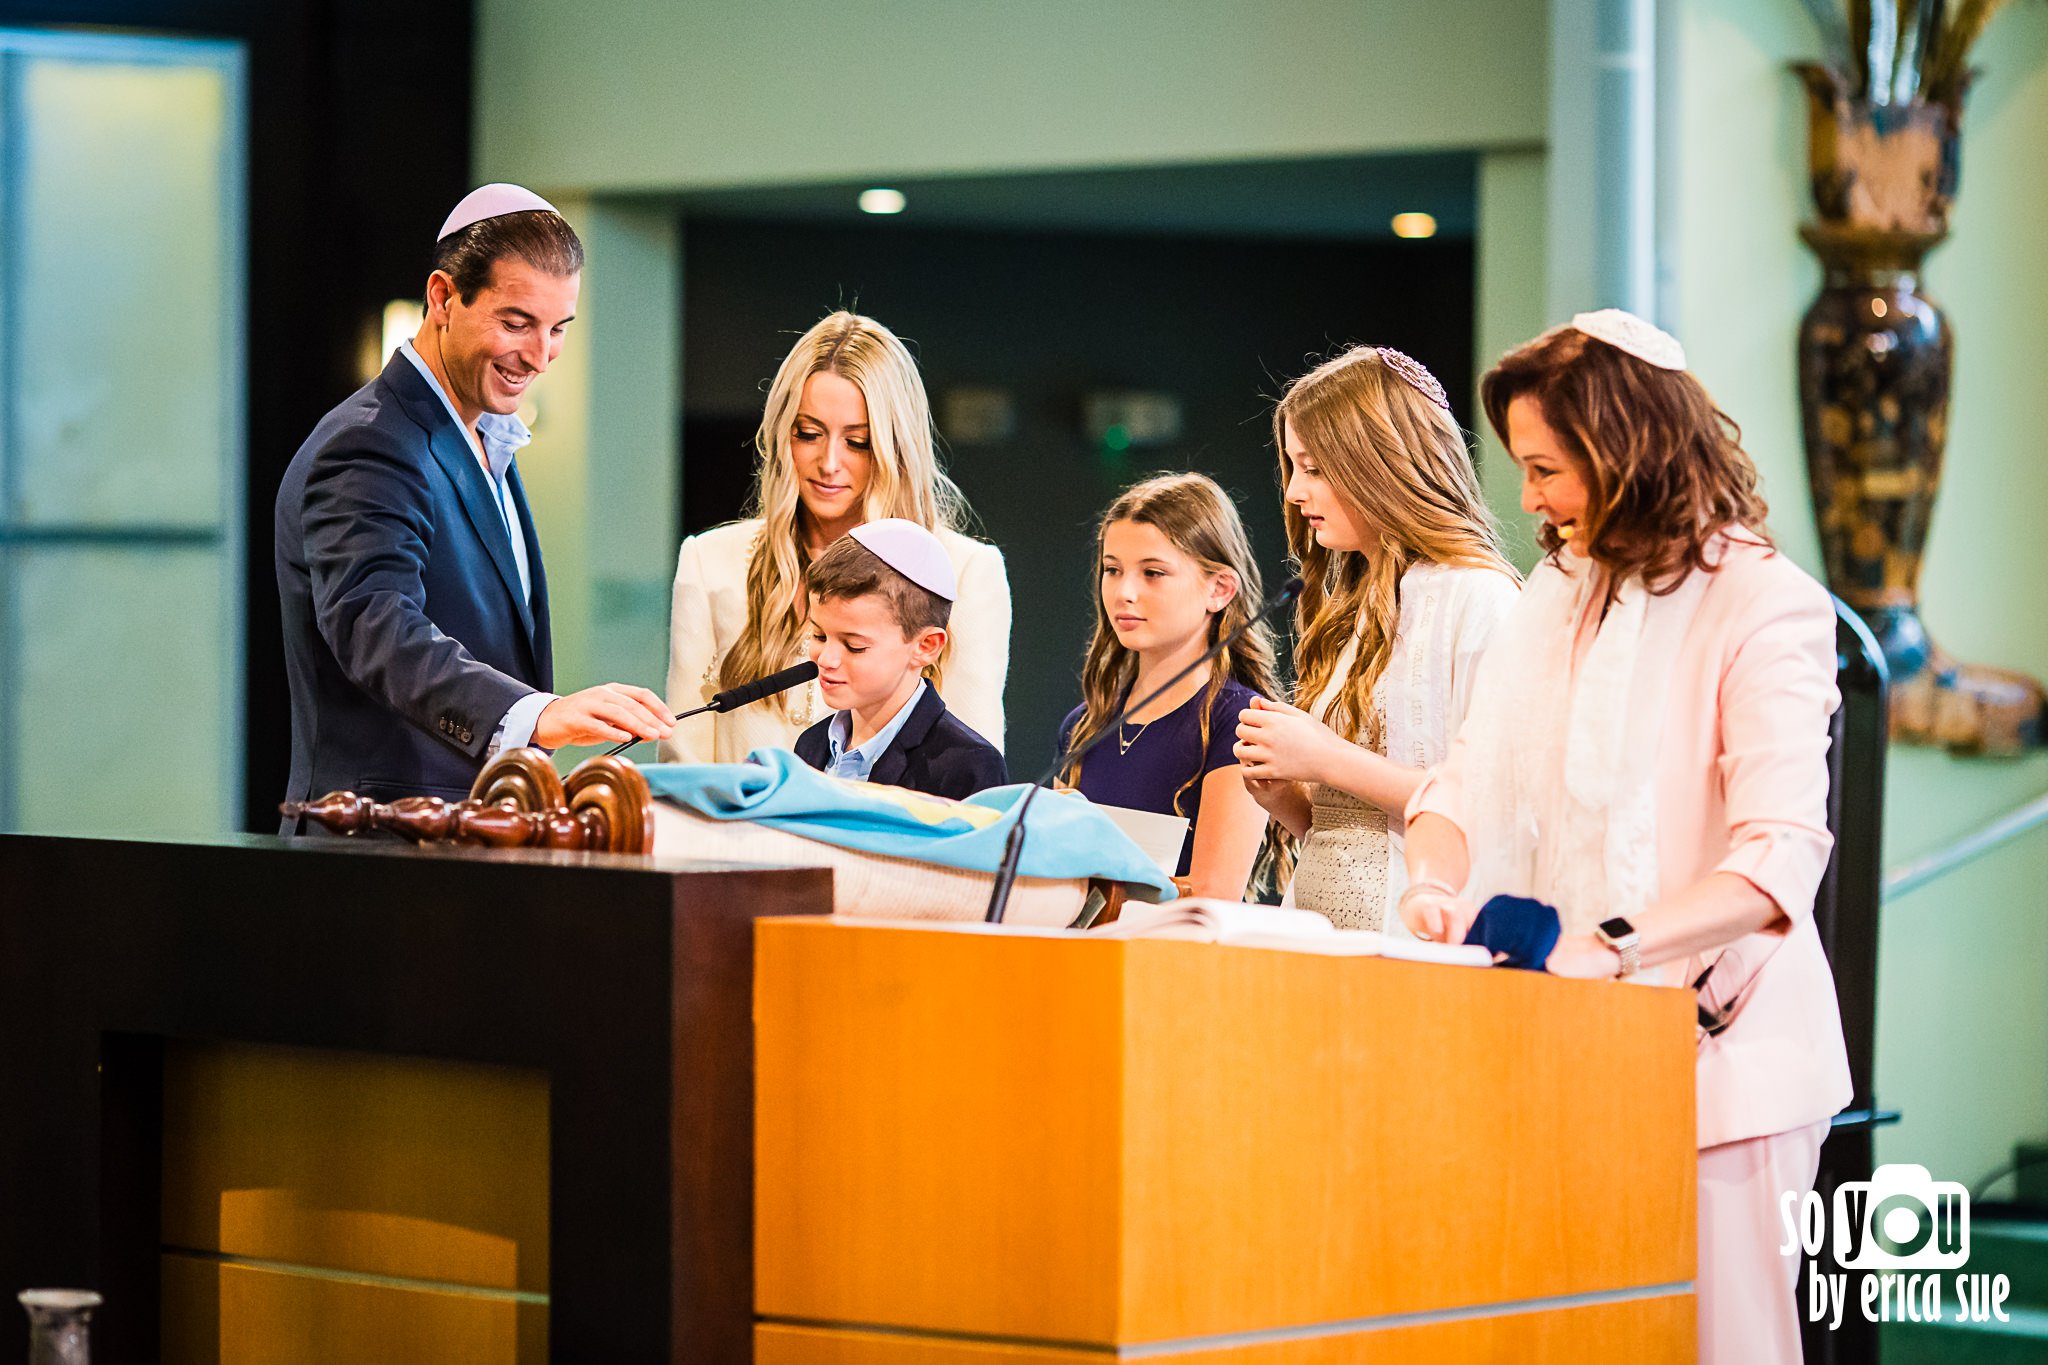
1048 319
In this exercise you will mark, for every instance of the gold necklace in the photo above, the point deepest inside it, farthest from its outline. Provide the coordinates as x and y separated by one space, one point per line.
1123 746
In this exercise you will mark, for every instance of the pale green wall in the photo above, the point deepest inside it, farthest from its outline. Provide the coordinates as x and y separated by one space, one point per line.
635 424
1742 277
602 470
652 94
1513 246
597 105
1963 1018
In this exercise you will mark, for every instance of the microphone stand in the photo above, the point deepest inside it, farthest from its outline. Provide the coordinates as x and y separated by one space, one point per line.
618 749
746 694
1013 846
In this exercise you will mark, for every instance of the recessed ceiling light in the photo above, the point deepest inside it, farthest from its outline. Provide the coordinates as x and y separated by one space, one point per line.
882 201
1414 225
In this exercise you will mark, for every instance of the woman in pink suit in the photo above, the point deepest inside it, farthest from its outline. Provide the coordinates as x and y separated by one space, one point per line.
1646 750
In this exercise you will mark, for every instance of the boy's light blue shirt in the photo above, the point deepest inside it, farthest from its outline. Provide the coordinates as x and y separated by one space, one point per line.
858 763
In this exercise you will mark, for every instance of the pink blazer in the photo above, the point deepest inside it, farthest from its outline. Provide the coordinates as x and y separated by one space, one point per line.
1742 787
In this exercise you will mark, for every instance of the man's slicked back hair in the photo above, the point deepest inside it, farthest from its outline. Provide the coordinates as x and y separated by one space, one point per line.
542 239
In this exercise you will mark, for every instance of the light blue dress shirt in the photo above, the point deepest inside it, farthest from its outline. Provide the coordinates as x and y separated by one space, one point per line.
503 435
858 763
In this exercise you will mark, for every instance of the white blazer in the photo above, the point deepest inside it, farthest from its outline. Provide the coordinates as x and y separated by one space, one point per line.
708 611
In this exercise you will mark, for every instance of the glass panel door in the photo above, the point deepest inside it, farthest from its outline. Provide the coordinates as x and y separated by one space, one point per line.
121 444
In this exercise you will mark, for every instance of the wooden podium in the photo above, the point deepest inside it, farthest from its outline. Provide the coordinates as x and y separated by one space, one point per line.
976 1146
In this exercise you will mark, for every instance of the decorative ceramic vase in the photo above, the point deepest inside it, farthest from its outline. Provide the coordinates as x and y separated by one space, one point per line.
1874 367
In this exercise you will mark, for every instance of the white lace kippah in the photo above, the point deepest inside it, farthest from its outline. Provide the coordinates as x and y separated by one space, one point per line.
493 201
912 551
1625 331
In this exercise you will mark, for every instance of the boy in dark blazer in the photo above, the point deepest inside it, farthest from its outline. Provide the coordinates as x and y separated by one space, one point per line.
880 599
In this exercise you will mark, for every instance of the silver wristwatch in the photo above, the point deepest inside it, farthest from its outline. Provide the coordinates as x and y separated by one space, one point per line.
1620 935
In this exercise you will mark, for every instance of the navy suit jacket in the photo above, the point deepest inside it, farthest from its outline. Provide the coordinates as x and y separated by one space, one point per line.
934 753
406 637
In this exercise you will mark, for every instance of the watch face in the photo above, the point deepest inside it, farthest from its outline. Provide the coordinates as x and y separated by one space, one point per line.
1617 927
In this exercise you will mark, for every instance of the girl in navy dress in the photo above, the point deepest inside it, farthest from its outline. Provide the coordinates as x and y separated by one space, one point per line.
1176 575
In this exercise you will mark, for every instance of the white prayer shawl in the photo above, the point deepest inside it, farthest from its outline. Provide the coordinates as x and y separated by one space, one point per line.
1563 772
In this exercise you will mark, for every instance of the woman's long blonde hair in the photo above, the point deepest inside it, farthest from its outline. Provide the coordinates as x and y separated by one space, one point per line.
905 480
1394 453
1198 518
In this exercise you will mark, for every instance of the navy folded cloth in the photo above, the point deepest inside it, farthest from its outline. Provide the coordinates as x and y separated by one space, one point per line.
1523 928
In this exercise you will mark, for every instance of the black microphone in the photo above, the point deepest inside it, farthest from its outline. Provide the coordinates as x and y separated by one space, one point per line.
796 675
1013 847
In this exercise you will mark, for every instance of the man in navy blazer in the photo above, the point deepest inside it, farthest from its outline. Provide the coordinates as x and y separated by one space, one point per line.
415 602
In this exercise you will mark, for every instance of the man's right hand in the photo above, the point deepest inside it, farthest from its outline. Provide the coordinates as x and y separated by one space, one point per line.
604 714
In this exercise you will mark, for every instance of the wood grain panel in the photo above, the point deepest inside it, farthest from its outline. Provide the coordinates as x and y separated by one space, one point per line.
214 1313
1348 1138
1092 1141
776 1344
397 1166
871 1049
1659 1331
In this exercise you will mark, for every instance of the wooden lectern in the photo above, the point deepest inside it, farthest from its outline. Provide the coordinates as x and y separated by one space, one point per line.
980 1147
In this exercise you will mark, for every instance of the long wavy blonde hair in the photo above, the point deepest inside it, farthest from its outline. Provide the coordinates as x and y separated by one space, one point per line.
905 479
1198 518
1400 461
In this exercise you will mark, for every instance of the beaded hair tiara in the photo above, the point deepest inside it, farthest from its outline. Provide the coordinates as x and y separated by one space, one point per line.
1415 374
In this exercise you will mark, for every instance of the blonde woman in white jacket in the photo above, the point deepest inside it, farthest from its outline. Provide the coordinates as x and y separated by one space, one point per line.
846 437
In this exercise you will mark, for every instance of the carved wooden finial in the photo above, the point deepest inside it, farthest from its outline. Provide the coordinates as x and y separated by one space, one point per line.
518 801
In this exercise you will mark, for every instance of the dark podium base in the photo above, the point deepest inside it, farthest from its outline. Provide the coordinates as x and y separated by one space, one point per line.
628 984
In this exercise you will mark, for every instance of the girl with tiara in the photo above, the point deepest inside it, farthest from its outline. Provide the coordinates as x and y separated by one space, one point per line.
1405 581
1175 575
846 438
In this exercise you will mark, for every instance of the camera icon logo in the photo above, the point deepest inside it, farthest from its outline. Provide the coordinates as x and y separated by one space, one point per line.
1902 1219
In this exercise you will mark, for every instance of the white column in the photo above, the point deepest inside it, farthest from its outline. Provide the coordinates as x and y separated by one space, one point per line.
1603 196
1512 268
602 470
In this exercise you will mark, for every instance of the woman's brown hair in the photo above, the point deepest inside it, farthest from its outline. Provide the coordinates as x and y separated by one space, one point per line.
1664 468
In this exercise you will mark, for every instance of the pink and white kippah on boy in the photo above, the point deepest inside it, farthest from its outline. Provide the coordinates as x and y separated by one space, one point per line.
492 201
912 551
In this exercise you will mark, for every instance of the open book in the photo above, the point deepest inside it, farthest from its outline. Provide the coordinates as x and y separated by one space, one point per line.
1271 926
